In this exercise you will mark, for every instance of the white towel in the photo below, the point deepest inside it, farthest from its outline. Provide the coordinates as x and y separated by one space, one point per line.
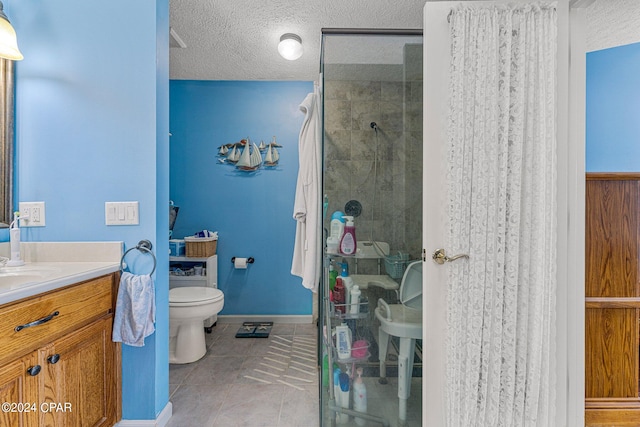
135 309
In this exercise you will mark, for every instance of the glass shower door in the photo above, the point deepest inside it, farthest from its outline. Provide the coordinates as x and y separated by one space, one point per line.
372 172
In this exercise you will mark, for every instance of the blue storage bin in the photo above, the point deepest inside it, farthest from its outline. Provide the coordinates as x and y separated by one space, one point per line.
176 247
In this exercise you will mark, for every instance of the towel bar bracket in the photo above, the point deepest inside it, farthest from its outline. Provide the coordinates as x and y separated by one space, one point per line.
143 246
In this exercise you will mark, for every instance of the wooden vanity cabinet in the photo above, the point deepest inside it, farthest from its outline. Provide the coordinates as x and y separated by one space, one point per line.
612 291
16 385
65 371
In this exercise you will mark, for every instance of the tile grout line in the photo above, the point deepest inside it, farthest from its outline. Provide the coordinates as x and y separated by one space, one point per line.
280 410
224 401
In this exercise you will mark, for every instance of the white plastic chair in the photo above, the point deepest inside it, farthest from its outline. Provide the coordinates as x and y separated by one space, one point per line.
404 321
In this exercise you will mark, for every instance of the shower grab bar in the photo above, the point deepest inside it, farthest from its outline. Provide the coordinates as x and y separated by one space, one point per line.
383 305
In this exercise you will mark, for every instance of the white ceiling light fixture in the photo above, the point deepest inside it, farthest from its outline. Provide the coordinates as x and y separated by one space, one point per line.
8 40
290 46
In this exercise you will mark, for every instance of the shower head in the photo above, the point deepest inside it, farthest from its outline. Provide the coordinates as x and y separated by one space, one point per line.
374 126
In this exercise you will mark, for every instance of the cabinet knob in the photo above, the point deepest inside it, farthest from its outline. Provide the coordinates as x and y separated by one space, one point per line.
53 359
34 370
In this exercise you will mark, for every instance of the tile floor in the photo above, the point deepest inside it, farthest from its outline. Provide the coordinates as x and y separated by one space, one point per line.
268 382
249 382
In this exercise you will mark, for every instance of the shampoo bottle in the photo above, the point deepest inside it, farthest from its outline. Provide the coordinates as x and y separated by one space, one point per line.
338 296
337 229
333 273
340 418
325 369
347 282
359 397
332 245
354 300
343 341
337 225
348 241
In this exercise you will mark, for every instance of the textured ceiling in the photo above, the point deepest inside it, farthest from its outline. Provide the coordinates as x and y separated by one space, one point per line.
237 39
612 23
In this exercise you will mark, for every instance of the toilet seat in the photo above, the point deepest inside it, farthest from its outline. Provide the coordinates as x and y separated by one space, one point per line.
190 296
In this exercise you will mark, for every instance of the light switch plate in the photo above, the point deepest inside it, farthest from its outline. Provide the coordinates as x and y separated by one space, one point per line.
33 212
121 213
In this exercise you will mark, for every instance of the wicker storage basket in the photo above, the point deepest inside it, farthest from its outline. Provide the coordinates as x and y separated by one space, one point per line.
200 246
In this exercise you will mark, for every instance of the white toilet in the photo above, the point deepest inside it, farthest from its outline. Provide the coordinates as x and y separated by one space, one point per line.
188 308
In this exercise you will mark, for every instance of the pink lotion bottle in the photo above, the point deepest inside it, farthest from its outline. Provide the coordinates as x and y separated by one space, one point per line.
348 242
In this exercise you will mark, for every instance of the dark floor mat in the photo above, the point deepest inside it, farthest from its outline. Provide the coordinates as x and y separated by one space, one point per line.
246 330
263 329
254 330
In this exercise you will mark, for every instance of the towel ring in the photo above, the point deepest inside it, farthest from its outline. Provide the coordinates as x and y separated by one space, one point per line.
142 246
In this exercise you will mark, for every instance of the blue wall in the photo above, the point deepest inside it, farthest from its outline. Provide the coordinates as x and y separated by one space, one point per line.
251 211
161 391
92 126
613 109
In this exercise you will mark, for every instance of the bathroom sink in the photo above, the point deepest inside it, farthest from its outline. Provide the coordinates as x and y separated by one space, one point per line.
7 281
53 265
12 277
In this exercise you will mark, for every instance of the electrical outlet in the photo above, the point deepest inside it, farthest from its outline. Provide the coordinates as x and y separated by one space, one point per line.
33 212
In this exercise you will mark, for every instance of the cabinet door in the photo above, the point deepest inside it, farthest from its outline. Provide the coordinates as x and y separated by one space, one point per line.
18 390
83 381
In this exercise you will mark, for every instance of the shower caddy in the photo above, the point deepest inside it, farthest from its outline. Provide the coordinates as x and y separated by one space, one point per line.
331 315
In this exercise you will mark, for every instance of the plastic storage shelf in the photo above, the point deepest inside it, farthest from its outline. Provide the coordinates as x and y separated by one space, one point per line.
210 278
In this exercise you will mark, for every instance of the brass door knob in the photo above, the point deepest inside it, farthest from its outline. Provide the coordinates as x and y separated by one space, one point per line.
440 257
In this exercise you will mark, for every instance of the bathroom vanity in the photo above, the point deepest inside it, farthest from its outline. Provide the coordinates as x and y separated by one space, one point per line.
58 365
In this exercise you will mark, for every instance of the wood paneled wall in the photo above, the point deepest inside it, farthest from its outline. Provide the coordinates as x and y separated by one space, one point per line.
612 291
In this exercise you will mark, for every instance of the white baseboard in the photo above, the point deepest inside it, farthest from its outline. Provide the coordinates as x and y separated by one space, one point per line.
237 318
161 421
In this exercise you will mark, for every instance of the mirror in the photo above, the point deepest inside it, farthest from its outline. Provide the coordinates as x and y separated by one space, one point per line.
6 141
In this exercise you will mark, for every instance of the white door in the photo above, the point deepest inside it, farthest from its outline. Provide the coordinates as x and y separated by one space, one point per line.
570 324
435 80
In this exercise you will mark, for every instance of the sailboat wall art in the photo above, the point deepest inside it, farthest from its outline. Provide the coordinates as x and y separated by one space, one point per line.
246 156
272 156
250 158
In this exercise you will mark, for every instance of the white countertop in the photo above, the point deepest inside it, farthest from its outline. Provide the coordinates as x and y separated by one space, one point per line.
47 276
53 265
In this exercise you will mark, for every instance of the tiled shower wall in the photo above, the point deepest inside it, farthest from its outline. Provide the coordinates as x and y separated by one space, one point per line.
383 170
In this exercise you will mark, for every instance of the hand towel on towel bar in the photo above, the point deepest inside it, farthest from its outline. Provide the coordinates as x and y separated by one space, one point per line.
135 309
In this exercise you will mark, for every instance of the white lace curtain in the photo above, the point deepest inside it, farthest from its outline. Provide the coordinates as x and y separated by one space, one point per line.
502 212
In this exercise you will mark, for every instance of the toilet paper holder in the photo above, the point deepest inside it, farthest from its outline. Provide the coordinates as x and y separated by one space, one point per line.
249 260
